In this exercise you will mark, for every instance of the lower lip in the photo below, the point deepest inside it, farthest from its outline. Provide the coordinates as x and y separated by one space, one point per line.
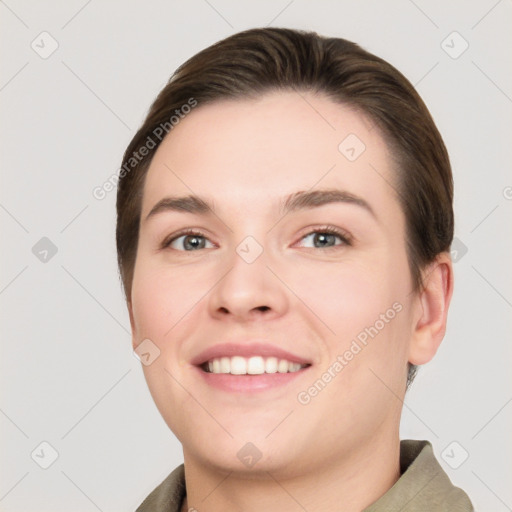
249 383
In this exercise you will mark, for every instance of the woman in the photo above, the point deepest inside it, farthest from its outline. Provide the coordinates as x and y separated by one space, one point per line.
284 225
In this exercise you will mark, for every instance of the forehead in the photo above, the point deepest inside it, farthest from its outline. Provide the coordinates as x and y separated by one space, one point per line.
248 153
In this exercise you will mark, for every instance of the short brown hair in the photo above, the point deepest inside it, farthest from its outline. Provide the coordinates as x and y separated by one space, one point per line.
251 63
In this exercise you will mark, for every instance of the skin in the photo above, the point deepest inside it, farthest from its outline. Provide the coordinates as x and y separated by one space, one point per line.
246 155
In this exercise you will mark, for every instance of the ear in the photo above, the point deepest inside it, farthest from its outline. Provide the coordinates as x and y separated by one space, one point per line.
431 310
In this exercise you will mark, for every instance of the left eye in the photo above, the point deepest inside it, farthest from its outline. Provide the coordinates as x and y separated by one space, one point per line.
326 239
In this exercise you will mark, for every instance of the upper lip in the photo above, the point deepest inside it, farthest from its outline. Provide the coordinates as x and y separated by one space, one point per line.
247 349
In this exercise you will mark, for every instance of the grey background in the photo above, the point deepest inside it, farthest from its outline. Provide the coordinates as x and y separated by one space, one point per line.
68 376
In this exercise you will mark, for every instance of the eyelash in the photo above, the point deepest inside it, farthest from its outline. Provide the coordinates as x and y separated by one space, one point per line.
345 237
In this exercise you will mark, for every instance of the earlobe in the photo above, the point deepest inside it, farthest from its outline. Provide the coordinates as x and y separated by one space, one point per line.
432 309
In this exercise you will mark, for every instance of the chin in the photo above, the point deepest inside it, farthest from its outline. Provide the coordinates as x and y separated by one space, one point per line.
248 461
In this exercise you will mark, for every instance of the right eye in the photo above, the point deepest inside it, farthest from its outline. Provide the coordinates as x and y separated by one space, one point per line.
187 241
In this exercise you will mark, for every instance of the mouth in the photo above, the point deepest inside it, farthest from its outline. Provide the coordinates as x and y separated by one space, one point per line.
255 365
249 366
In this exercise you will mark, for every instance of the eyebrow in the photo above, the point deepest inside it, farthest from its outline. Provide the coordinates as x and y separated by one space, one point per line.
301 200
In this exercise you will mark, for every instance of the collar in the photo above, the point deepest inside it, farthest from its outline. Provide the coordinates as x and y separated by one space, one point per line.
422 486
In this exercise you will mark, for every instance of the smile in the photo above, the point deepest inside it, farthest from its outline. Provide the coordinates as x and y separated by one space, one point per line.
255 365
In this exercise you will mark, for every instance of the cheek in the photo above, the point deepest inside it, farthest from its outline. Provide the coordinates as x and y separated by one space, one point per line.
346 297
162 298
361 306
163 301
149 307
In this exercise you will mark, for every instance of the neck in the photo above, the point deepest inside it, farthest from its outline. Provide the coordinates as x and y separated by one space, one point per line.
356 480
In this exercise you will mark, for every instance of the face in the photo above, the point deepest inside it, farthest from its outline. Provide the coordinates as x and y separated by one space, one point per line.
300 258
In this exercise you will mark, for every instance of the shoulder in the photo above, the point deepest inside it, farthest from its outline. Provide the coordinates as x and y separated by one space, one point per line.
423 484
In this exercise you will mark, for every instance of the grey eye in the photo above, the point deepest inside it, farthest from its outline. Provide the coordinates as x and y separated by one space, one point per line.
189 242
324 239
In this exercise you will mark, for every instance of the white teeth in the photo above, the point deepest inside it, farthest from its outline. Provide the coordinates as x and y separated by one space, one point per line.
271 365
255 365
293 367
238 365
225 365
282 367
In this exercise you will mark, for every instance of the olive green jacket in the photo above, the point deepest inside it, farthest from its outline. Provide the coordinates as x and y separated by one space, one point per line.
422 487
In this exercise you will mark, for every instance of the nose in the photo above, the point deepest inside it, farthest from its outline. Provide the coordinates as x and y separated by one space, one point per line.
249 290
